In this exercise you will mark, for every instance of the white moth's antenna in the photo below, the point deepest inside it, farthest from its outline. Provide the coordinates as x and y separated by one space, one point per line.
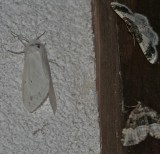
20 38
40 35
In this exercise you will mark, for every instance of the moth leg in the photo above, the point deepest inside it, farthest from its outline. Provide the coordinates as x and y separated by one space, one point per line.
15 52
131 29
52 61
123 107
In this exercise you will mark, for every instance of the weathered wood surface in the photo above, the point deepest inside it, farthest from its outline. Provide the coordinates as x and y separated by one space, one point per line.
123 74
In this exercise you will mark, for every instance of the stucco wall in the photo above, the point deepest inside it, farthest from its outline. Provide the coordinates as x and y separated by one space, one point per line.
74 128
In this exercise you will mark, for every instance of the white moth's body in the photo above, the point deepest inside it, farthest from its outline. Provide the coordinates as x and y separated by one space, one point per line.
140 28
37 81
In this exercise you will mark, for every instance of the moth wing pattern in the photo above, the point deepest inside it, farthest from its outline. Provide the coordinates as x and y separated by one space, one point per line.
141 122
122 10
137 127
149 37
36 76
133 136
154 123
154 130
140 28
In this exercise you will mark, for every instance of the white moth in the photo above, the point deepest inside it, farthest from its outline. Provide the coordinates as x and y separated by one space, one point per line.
141 30
37 81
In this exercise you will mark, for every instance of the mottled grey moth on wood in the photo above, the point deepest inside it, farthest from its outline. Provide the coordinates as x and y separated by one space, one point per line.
141 122
141 30
37 83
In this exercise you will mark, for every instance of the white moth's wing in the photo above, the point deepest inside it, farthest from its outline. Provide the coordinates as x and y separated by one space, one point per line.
149 38
36 80
52 96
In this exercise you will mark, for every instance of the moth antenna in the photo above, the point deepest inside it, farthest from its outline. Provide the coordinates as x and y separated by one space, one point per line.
20 38
40 35
134 106
130 106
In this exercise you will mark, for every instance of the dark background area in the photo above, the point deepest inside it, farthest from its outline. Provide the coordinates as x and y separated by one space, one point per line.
123 74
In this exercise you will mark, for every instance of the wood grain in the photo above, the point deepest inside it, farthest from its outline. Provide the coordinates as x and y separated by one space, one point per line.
108 77
123 74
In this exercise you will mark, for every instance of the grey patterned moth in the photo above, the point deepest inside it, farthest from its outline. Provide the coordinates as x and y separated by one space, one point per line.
141 30
141 122
37 83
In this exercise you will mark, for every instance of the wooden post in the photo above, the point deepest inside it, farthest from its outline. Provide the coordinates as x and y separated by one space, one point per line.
123 74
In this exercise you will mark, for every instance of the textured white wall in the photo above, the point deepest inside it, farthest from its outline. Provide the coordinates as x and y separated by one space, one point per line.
74 128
